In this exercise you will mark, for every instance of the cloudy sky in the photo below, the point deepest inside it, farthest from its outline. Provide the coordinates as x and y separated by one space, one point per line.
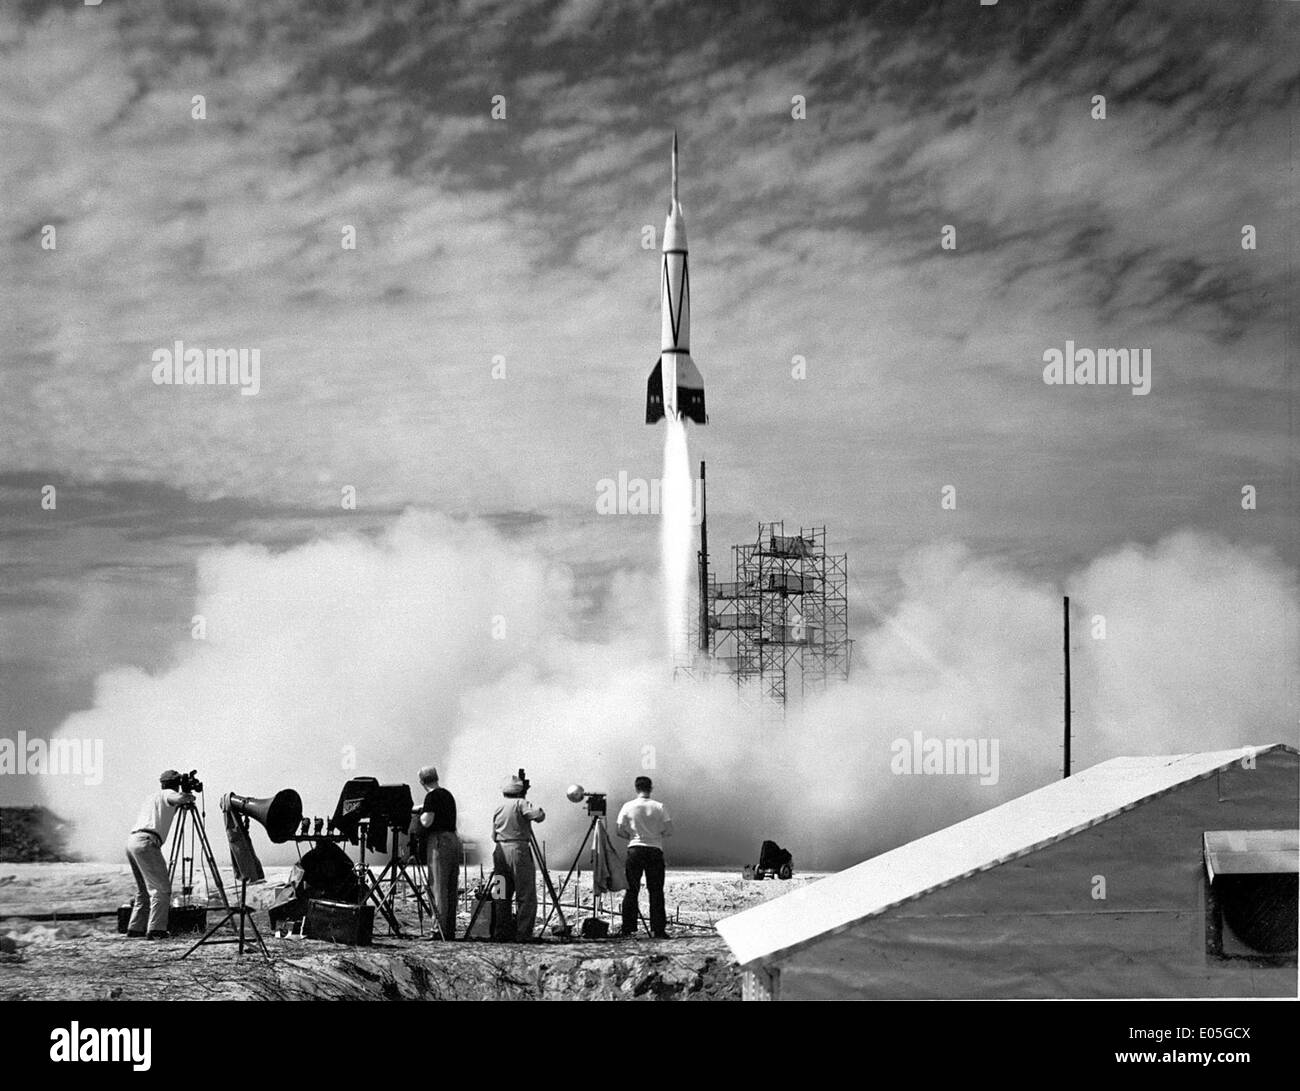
520 238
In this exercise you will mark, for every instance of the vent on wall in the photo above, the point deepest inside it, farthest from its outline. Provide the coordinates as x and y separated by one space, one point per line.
1251 909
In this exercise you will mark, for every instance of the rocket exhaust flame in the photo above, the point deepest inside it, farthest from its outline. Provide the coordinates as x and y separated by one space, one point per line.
675 534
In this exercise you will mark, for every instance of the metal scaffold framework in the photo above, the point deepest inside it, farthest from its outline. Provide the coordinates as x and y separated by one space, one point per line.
783 621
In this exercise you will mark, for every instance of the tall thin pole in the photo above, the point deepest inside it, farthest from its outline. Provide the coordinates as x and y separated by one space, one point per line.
704 566
1067 685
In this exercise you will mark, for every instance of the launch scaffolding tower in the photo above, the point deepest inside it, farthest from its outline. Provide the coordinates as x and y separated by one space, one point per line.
783 621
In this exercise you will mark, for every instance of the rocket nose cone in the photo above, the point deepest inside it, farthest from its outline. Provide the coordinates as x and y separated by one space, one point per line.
673 202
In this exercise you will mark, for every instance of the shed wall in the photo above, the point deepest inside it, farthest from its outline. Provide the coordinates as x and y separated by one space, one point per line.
1032 927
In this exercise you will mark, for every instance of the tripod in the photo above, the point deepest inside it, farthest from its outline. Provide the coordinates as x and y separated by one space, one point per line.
244 913
597 835
565 928
189 826
594 829
396 872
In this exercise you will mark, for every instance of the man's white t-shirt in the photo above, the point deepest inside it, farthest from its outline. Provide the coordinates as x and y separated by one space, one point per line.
157 813
645 822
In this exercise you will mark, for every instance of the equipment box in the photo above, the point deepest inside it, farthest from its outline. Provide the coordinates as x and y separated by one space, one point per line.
340 922
187 918
492 919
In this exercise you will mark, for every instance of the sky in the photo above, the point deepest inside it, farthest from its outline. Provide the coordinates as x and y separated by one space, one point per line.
480 357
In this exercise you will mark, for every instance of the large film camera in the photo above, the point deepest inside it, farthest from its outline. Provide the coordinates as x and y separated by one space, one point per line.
382 806
190 782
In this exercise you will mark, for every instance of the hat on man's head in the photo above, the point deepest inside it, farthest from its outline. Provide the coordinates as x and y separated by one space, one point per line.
428 773
513 786
168 776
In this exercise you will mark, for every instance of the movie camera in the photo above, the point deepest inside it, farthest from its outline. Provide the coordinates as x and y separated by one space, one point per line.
597 802
190 783
366 812
380 806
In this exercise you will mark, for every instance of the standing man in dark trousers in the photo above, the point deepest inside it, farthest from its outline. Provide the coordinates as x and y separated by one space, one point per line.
644 823
441 848
153 883
512 856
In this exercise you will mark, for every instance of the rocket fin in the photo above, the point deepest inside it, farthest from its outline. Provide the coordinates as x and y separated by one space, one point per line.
690 391
654 395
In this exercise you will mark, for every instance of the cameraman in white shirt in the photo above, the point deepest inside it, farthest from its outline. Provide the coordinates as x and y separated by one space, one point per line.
153 883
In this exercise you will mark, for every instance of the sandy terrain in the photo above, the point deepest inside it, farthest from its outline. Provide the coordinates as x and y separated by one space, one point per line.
86 958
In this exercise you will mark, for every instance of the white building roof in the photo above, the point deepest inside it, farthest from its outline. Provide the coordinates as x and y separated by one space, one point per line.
1013 829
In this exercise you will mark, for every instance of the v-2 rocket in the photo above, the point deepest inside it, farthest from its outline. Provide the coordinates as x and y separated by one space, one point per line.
676 388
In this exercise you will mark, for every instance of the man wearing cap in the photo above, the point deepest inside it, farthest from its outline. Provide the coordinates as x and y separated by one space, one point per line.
441 849
512 828
153 884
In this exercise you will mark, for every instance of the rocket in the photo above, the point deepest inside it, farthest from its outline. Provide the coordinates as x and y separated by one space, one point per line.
676 388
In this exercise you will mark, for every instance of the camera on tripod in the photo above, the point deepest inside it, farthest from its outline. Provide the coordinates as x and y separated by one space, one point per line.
597 802
190 782
381 806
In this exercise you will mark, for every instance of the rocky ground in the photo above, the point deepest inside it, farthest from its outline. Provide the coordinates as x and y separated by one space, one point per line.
52 948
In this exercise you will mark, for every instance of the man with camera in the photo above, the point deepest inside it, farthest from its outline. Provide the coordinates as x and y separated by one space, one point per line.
512 856
153 884
644 823
441 849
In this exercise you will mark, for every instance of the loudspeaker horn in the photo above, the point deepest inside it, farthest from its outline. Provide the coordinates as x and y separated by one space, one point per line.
280 813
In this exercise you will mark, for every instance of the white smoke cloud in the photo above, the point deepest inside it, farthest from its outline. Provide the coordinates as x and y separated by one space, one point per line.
444 642
1201 647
